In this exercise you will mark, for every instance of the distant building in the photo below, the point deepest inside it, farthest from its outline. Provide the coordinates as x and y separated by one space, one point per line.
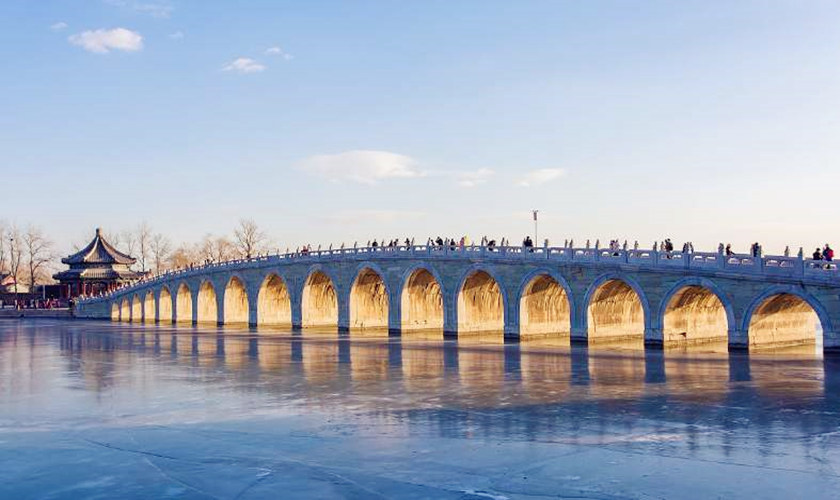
99 267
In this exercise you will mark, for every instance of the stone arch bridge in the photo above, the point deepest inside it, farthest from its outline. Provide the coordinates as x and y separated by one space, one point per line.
589 295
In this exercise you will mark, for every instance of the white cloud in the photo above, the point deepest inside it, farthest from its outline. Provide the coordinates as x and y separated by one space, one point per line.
363 167
474 177
103 41
58 26
244 65
177 35
376 216
541 176
277 51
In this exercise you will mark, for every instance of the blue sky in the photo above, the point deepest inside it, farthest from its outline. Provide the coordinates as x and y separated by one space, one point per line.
699 120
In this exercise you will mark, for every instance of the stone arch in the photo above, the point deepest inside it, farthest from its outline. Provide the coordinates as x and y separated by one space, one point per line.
236 302
165 306
149 307
208 307
125 310
115 311
545 304
695 310
136 309
421 301
184 304
274 304
784 316
481 301
616 307
319 300
369 299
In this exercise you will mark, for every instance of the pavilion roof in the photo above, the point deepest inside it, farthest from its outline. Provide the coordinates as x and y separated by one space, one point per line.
99 251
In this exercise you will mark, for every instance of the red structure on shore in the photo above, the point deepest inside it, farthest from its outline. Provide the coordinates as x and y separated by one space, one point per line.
99 267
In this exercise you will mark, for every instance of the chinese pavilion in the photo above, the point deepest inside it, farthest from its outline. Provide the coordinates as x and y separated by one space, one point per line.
99 267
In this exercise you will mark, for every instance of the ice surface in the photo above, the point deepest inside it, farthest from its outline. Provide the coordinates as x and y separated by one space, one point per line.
100 410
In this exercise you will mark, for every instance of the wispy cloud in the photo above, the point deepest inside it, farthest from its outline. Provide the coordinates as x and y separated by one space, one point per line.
473 178
244 65
58 26
541 176
177 35
102 41
277 51
362 166
154 9
375 216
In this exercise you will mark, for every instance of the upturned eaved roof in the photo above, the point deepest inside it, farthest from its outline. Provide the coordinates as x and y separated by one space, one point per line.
99 251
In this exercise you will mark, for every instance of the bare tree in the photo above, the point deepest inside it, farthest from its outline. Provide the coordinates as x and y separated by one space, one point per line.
38 252
249 238
4 235
128 240
144 242
15 255
160 248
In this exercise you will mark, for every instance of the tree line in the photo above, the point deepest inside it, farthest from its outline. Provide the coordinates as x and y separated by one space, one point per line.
31 258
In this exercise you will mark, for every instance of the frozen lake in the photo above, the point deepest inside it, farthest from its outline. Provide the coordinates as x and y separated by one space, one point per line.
102 410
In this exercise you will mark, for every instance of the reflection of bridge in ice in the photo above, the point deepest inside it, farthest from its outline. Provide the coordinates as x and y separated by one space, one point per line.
585 294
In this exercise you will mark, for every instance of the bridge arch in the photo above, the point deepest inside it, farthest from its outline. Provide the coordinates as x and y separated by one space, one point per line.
369 298
319 299
184 304
236 302
125 310
616 307
784 315
164 313
421 300
545 304
481 301
208 305
149 307
695 309
136 309
115 311
274 304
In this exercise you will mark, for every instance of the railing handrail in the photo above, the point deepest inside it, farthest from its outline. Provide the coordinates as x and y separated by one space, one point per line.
745 264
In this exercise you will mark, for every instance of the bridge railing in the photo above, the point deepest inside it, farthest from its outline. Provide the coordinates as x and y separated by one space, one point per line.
742 264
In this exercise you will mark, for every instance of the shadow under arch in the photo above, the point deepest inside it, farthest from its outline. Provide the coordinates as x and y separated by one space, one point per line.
616 308
695 310
236 302
183 304
207 308
369 299
164 313
545 304
481 301
274 304
784 315
319 300
421 299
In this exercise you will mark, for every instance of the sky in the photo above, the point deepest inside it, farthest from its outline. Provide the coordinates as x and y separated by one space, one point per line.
703 121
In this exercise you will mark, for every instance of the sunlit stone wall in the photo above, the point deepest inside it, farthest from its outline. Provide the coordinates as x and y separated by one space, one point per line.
274 304
615 311
164 314
422 302
695 314
149 307
544 308
480 304
369 301
319 304
236 302
183 305
208 311
783 319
